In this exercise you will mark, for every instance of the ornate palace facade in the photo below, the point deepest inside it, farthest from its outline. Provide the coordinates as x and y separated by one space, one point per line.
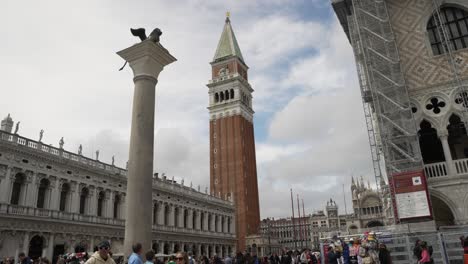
53 201
411 59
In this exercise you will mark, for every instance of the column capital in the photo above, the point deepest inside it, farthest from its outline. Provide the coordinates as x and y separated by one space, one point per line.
443 134
147 58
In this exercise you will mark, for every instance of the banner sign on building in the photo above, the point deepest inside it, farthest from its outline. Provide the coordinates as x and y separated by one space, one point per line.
410 195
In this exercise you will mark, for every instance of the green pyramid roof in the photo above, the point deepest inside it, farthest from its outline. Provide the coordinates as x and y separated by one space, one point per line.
227 45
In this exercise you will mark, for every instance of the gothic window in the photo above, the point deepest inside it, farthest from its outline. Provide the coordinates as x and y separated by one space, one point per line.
64 193
116 206
41 194
431 147
457 137
83 197
232 93
100 203
17 188
455 22
216 97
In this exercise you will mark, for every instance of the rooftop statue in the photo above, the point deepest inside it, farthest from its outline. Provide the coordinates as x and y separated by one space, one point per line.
80 150
17 127
61 143
41 134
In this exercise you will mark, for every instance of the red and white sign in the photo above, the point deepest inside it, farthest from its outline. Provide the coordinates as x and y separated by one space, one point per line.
410 195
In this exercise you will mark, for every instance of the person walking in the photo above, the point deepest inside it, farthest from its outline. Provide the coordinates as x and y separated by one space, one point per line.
332 257
384 254
135 257
425 255
149 257
102 255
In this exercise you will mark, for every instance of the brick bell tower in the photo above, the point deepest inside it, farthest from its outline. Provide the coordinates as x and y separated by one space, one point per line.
233 169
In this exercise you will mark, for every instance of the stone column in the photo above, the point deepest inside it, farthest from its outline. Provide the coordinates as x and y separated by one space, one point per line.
91 201
50 248
160 214
205 222
26 243
5 187
29 190
161 247
171 215
110 195
54 201
190 219
181 217
451 171
147 59
75 197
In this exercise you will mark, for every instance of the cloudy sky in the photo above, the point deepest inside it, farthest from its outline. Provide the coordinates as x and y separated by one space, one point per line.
59 72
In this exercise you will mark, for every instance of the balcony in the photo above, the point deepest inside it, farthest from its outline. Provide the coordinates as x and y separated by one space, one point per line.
441 169
39 213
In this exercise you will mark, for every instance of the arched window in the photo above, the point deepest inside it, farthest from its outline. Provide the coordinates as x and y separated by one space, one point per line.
232 93
17 189
226 94
83 199
216 97
229 225
457 138
455 22
202 221
41 194
221 95
64 194
116 206
155 213
100 203
176 216
210 220
166 215
186 216
194 220
431 147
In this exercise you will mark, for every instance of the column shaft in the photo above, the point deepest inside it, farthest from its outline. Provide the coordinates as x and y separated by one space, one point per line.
140 165
448 155
5 187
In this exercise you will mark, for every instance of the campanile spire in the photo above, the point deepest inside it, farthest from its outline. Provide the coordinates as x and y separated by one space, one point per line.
233 170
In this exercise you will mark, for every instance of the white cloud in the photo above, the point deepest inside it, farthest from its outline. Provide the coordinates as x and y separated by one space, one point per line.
59 73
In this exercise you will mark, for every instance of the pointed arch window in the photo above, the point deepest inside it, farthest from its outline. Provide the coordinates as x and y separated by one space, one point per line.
455 23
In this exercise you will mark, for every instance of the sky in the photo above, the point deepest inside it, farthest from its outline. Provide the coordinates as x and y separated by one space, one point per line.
59 72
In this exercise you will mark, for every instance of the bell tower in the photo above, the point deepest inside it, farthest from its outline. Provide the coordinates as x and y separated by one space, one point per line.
233 170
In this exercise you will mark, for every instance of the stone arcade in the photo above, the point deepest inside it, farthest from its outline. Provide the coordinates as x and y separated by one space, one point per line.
53 201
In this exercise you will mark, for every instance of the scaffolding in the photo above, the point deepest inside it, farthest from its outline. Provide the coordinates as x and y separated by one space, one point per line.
449 53
385 97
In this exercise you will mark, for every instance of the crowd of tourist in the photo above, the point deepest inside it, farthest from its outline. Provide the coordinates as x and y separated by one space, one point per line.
364 249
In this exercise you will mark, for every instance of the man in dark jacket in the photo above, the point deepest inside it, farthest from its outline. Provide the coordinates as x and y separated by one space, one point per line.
332 257
24 259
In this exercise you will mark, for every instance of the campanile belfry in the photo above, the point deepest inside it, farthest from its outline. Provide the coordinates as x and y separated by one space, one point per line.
233 170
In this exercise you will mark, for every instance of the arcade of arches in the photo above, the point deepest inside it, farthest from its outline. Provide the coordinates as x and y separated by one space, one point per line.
443 152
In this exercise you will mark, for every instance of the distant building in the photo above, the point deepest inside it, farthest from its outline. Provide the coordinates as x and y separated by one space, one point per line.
368 211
